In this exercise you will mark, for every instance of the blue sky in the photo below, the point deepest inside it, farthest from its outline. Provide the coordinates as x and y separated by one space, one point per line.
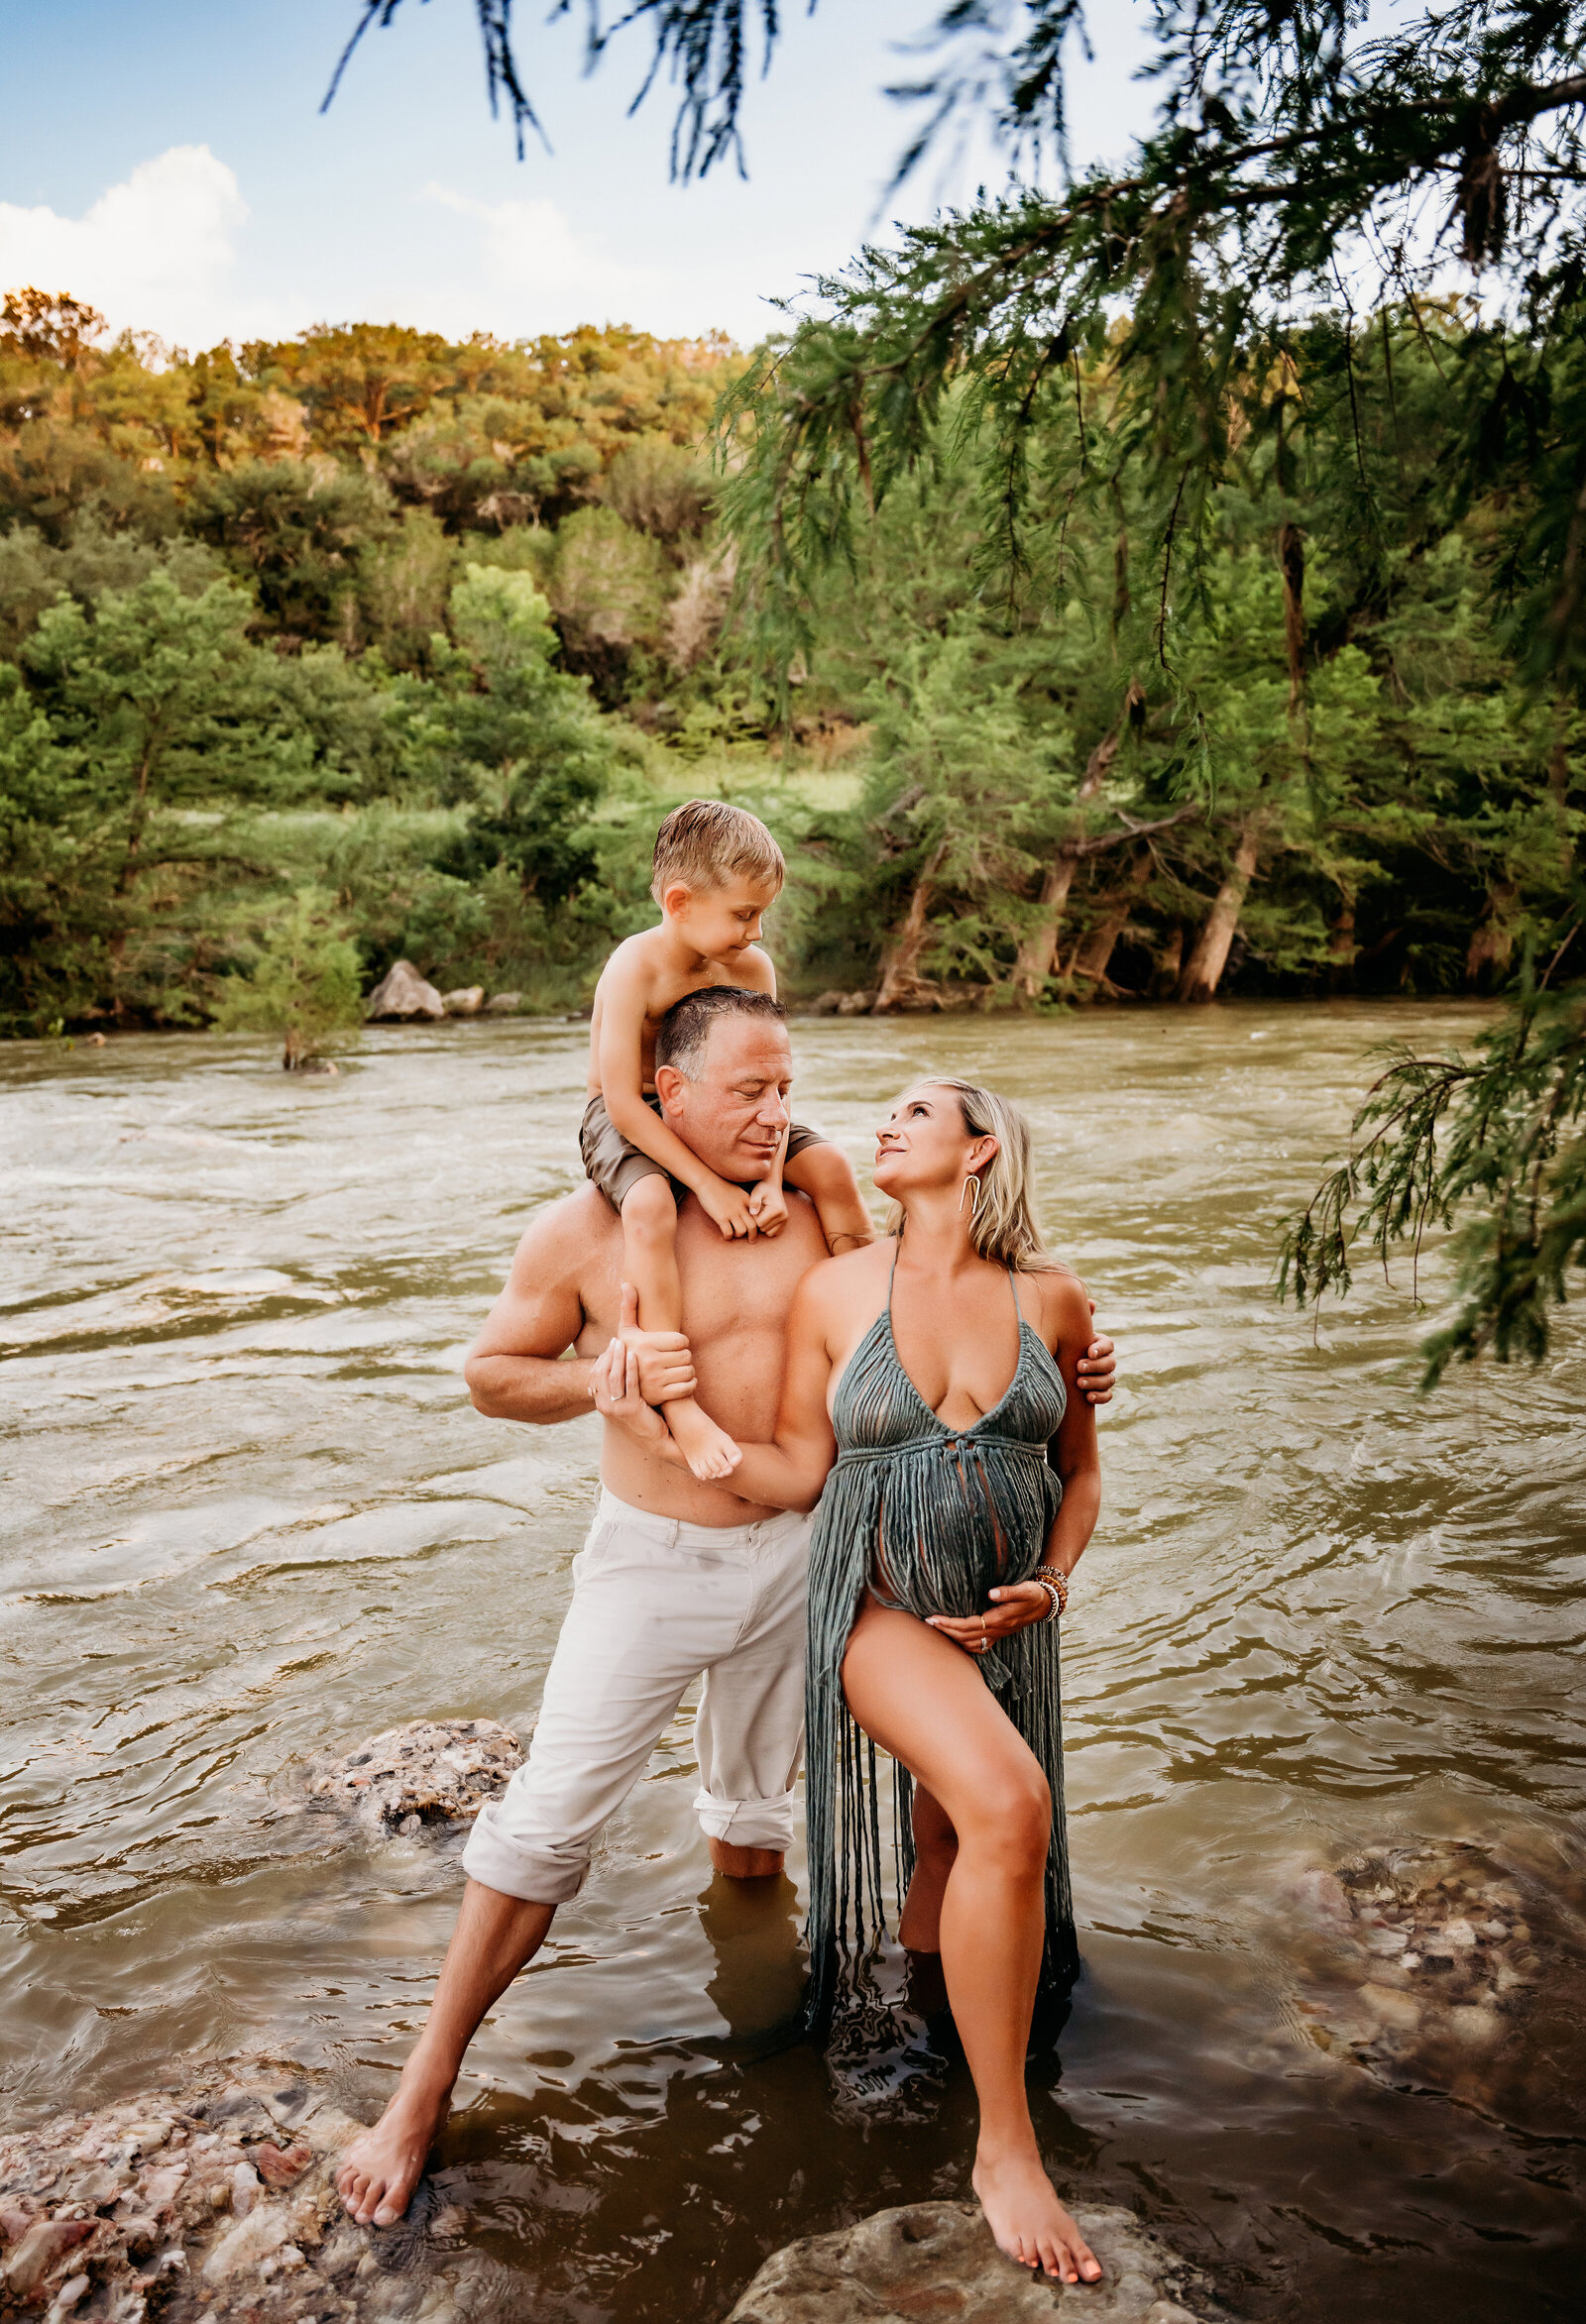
168 163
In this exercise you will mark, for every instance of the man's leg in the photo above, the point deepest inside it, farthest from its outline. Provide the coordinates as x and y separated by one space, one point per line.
496 1937
637 1631
748 1735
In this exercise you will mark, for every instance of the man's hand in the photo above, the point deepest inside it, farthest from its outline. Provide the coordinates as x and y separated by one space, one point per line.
664 1357
729 1206
614 1383
1098 1368
768 1207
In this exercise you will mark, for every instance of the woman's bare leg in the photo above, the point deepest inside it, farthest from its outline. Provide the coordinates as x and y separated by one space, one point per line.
936 1849
923 1700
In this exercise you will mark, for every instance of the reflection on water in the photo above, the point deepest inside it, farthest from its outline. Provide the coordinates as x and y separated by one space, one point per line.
250 1518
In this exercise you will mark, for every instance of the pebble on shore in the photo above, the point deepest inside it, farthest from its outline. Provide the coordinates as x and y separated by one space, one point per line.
429 1772
213 2202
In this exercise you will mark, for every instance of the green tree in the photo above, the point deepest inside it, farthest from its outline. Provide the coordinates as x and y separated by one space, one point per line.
304 986
514 737
166 725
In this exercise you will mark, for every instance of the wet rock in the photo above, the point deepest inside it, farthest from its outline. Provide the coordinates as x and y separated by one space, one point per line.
431 1771
939 2260
293 2257
855 1004
827 1004
503 1004
403 993
466 1001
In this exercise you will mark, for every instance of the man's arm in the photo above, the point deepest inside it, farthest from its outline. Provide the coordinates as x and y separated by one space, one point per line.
519 1367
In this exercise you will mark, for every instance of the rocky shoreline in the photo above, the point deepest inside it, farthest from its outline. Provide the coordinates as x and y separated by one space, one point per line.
212 2200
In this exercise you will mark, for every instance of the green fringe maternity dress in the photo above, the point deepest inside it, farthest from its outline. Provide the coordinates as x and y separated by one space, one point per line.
930 1518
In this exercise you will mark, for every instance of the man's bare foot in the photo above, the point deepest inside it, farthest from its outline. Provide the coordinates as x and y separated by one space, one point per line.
1023 2212
380 2170
709 1451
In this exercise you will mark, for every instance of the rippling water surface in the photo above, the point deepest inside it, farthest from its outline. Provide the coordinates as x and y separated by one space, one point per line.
249 1515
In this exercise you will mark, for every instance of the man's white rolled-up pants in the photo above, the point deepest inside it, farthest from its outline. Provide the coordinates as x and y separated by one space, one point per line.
655 1604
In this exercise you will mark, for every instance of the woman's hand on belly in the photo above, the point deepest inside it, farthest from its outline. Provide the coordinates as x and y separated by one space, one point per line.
1015 1606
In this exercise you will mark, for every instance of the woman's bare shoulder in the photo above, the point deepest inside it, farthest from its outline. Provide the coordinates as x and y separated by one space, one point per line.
1061 1306
836 1286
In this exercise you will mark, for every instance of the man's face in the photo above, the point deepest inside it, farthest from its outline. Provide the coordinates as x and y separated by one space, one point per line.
734 1115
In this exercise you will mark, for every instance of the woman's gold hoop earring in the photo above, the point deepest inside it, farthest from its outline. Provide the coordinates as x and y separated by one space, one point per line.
969 1181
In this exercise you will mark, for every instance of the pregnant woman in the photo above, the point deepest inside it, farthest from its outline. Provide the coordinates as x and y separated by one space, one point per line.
930 1389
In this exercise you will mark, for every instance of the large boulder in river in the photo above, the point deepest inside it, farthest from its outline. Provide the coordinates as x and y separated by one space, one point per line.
432 1771
403 993
940 2260
466 1001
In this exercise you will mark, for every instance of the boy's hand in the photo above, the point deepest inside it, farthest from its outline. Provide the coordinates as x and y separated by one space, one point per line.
768 1207
664 1357
728 1205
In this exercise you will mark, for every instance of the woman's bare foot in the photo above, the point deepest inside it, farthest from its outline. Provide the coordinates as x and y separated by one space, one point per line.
1023 2212
380 2170
709 1451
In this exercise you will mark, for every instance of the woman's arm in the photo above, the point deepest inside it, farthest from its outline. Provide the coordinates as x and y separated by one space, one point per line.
789 1472
1064 1325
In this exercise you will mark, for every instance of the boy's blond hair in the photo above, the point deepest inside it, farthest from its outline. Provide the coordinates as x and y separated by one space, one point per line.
705 843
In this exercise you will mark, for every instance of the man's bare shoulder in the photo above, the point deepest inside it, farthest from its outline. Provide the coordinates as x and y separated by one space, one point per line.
563 1237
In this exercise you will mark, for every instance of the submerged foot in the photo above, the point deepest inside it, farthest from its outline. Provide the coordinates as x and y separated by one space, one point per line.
380 2170
1023 2212
709 1451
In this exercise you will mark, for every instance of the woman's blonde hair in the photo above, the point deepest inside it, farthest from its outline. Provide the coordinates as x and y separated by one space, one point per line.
1004 1228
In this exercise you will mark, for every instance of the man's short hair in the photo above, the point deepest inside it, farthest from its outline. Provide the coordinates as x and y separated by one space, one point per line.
684 1031
705 843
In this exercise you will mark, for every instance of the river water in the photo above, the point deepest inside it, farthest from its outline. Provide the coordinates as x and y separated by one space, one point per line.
249 1515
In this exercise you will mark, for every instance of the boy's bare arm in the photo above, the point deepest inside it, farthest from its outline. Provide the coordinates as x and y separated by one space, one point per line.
625 1001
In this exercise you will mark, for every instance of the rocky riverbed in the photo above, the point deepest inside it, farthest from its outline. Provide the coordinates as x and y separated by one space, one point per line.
212 2201
1422 1959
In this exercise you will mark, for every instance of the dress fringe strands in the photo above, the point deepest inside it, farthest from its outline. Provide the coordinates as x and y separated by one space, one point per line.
930 1519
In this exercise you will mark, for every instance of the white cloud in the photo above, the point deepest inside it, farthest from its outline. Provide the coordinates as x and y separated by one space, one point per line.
529 250
157 252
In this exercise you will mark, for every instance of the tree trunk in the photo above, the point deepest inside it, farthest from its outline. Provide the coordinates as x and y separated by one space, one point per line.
1203 970
1341 949
1169 962
1493 942
900 967
1091 958
1038 954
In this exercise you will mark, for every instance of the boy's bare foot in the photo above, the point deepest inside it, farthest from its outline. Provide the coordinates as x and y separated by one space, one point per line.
709 1451
380 2170
1023 2212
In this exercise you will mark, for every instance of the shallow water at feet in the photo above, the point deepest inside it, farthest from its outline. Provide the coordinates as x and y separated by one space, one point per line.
250 1516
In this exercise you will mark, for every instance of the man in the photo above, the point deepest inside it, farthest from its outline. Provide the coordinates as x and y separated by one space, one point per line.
678 1577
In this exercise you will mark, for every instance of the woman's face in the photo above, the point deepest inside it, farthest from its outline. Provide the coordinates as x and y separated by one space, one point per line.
922 1142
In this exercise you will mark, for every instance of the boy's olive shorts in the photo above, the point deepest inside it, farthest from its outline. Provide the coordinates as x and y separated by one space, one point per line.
615 1166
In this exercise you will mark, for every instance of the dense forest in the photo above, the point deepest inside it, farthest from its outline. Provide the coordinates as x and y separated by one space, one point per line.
368 646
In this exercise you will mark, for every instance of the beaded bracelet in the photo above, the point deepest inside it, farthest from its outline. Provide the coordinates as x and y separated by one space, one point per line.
1054 1606
1055 1578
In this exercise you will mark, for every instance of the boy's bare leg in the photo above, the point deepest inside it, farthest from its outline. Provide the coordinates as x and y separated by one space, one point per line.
495 1935
649 1261
826 1175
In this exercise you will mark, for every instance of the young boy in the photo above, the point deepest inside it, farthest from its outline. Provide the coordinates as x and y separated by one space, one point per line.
717 872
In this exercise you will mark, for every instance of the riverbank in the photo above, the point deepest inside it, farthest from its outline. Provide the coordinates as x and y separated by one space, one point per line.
251 1519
